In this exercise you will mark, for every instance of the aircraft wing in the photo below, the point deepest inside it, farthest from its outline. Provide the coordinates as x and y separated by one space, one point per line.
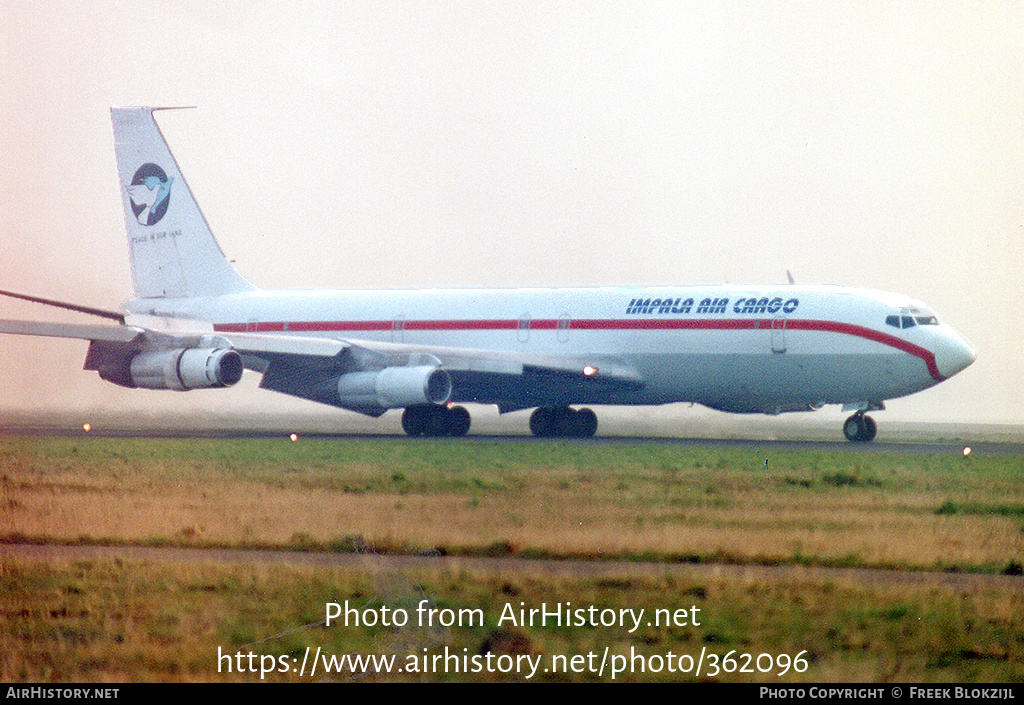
309 367
510 380
474 360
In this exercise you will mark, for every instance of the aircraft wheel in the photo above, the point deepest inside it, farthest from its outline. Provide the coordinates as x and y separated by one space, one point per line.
437 424
563 422
852 428
870 429
458 421
542 421
586 423
414 419
565 425
859 428
435 421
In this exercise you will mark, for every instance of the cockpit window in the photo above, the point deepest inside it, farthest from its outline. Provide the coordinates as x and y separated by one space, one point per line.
905 320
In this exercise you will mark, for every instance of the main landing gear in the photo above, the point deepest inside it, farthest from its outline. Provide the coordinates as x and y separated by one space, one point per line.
548 421
434 420
859 428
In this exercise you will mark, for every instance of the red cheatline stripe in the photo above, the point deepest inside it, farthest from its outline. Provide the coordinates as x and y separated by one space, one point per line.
594 324
884 338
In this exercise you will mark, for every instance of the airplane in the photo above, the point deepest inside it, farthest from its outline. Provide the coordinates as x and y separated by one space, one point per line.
196 323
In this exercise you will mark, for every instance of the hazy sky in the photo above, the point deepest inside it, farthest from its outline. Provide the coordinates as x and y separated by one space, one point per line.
432 144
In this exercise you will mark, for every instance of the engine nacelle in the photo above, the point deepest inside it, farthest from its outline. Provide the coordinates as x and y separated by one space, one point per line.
395 387
188 368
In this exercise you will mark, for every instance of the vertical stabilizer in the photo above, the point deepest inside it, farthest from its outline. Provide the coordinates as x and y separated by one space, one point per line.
173 252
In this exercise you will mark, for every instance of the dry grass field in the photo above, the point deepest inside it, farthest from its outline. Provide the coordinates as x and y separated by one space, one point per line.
119 620
550 499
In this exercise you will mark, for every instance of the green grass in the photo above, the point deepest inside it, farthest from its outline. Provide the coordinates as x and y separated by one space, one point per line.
89 621
443 466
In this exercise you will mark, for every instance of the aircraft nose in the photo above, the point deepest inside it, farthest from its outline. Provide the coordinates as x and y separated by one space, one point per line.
956 355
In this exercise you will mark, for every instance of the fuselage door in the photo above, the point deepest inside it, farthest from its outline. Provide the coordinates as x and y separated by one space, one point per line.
564 324
523 331
779 334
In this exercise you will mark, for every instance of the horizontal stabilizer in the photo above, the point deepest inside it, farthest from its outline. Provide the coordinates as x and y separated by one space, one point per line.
114 334
248 343
113 315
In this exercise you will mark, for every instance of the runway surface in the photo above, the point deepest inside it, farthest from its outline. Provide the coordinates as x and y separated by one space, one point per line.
377 563
805 445
714 431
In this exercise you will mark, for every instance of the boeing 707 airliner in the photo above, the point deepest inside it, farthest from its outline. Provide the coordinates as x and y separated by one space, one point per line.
195 322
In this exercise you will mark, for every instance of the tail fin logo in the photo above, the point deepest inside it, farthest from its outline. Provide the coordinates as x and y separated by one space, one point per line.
150 194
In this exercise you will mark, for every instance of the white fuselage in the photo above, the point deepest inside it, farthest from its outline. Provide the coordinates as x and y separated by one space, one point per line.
766 349
197 323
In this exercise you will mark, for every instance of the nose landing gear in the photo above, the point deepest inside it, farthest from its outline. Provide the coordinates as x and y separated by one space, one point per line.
859 428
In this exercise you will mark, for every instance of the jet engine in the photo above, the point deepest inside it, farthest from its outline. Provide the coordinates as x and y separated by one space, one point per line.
395 387
186 368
